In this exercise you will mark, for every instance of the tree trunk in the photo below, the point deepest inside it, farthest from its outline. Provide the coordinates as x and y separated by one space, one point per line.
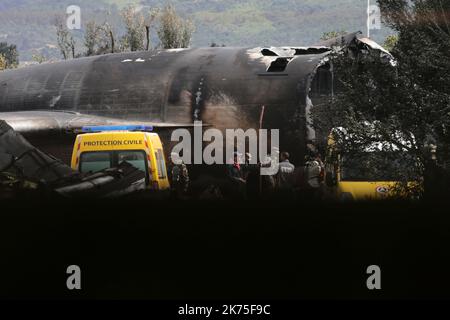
112 40
147 29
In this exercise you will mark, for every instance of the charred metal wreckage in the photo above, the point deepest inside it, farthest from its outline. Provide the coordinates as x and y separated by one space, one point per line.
223 87
23 167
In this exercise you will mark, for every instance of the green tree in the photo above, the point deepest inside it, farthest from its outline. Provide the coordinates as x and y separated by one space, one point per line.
91 38
332 34
39 58
407 104
135 26
390 42
107 38
2 62
66 42
174 31
10 55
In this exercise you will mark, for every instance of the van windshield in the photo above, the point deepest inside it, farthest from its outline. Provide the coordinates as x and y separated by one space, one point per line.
95 161
378 166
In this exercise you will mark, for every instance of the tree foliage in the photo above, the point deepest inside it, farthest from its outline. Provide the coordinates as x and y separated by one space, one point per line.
138 24
91 38
2 62
174 31
135 28
390 42
99 38
65 40
39 58
10 55
332 34
407 105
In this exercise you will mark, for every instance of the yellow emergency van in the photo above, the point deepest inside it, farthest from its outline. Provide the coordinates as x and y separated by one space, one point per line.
370 174
101 147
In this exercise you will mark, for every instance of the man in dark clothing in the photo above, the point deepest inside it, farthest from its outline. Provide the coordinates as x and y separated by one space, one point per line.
179 177
234 170
251 174
246 167
436 179
268 182
235 174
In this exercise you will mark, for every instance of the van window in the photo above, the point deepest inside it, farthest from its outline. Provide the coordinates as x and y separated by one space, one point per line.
161 164
95 161
98 161
135 158
378 166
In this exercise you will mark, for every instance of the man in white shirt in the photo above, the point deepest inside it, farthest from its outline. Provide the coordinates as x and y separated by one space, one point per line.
285 176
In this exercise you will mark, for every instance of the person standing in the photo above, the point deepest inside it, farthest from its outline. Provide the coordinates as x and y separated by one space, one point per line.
284 180
314 175
179 177
285 175
251 175
236 176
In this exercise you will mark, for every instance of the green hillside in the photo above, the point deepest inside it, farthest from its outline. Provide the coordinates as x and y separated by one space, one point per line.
28 23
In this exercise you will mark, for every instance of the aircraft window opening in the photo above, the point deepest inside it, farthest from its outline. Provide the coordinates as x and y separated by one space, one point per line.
306 51
322 84
279 65
268 53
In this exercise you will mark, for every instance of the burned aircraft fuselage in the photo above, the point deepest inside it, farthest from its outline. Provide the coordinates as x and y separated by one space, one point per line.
223 87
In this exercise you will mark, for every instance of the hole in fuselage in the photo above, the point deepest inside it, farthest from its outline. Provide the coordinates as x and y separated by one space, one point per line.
311 50
279 65
268 53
